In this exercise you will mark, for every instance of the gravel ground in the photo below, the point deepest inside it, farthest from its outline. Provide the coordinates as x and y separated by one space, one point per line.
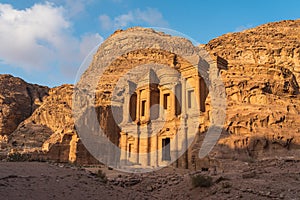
265 179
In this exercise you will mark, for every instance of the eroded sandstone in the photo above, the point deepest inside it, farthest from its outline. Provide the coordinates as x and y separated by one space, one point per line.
261 82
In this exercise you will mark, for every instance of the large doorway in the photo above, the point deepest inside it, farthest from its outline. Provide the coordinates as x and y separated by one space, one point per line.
166 156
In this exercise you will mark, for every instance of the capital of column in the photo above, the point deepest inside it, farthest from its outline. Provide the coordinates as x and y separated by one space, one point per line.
123 133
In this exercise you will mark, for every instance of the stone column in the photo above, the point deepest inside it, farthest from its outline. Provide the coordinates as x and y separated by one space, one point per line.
197 91
148 114
161 104
155 154
123 145
183 94
137 145
186 146
184 127
149 143
138 105
176 146
126 108
173 103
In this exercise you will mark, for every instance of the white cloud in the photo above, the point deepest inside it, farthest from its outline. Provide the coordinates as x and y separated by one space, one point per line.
88 43
28 36
149 17
41 37
74 7
124 20
106 22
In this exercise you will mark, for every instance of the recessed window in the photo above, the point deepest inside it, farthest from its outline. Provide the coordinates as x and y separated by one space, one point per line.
143 107
132 107
166 98
191 97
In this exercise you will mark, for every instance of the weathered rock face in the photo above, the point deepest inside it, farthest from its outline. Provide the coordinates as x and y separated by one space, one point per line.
50 130
270 44
53 118
18 100
262 86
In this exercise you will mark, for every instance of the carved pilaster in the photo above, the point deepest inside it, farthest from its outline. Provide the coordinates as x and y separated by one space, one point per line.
183 93
123 145
138 106
197 91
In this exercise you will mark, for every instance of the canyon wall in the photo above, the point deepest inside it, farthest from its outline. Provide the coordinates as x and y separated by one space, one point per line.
262 87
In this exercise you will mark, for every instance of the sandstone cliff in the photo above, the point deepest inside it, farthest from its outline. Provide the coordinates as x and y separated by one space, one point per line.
262 86
53 118
49 132
18 100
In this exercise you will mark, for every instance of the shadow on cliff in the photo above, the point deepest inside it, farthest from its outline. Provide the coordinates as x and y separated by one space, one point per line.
242 148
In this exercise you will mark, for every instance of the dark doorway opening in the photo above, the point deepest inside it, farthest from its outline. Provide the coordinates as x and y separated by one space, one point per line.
166 155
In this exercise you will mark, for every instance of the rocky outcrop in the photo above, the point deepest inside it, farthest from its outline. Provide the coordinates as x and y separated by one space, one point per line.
269 44
262 86
50 130
18 100
53 118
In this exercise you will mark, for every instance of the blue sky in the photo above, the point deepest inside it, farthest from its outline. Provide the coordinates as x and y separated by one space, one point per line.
44 42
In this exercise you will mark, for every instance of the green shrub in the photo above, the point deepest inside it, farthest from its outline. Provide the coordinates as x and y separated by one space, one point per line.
202 181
